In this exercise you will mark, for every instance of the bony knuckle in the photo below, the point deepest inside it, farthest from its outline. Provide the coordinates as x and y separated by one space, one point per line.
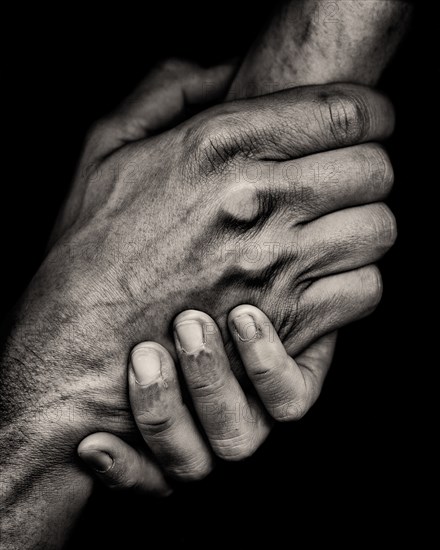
215 130
211 144
194 470
222 134
346 117
379 168
371 281
153 428
234 448
386 227
203 389
174 65
203 382
291 411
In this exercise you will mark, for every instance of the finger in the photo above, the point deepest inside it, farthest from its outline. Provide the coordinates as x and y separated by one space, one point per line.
234 426
161 416
167 95
329 304
325 182
348 239
120 466
297 122
288 387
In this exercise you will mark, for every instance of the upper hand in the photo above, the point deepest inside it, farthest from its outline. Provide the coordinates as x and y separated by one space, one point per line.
269 201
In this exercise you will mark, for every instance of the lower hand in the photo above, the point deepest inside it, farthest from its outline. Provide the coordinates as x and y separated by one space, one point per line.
234 422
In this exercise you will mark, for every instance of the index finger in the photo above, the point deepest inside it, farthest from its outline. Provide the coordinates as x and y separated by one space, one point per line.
305 120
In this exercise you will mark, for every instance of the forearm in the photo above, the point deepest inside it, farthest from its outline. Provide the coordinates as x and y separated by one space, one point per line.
39 505
318 41
48 404
42 489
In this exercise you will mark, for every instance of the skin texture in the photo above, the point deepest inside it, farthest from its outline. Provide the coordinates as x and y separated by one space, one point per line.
325 42
315 42
108 299
55 300
233 420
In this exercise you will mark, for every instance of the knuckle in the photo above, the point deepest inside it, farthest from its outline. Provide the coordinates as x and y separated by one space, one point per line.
153 428
204 374
175 65
194 470
381 169
234 448
216 131
346 116
377 168
241 203
372 286
385 226
202 388
213 140
291 411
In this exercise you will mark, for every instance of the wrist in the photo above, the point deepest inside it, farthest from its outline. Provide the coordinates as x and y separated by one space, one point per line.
55 383
40 500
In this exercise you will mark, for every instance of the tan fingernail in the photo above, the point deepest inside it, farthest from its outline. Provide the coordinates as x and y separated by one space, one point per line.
146 365
245 327
98 460
190 335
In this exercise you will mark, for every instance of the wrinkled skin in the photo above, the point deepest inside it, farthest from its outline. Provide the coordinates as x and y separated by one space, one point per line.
148 232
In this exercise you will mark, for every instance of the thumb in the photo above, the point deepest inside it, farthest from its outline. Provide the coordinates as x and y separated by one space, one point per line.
120 466
171 92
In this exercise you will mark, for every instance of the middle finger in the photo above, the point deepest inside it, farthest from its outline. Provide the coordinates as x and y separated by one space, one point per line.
234 426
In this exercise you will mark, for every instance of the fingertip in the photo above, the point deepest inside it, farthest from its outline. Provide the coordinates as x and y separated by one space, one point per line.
195 330
192 315
100 461
252 311
120 466
244 309
248 323
149 362
98 452
97 441
148 346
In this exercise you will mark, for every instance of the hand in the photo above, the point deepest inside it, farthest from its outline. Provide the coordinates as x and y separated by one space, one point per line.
163 214
286 387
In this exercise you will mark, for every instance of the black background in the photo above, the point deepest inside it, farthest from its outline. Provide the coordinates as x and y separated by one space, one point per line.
348 466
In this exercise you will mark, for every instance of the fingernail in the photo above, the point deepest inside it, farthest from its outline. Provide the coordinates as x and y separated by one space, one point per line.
190 335
245 327
146 365
98 460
